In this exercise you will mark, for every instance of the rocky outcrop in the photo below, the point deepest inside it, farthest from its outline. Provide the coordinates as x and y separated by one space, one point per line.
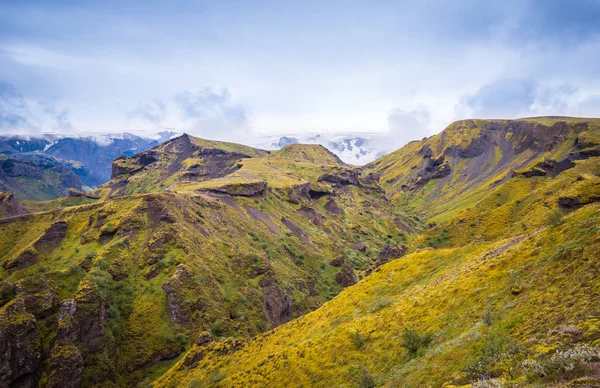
572 203
73 193
52 237
360 246
278 305
180 307
9 206
90 314
388 253
346 276
341 178
39 295
248 189
23 260
65 366
332 207
20 352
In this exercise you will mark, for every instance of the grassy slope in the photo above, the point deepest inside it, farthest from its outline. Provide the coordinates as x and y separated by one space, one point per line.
506 279
470 178
218 240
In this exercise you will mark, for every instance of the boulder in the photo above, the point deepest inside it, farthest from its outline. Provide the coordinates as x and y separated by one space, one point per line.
278 305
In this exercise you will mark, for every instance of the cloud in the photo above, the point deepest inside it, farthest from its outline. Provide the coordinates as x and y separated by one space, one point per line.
21 116
503 98
59 116
212 111
154 111
14 112
405 126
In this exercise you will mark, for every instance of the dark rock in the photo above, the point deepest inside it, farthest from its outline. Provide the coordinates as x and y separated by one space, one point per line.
346 276
118 270
24 260
90 314
278 305
338 262
249 189
342 178
52 237
332 207
39 295
296 230
312 215
204 338
571 203
152 273
180 309
66 367
20 352
73 193
442 171
370 178
9 206
361 247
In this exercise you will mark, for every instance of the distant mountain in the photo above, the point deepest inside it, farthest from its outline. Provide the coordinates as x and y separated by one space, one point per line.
353 148
46 167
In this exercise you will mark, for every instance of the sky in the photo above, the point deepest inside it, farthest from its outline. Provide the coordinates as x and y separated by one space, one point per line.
234 70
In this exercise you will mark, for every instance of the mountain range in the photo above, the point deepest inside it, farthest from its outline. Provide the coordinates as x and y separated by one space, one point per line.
466 258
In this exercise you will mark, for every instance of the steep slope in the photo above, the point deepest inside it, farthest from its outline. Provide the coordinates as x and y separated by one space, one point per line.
223 241
504 289
441 175
38 178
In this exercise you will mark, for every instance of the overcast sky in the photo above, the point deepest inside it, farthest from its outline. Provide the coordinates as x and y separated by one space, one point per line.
234 69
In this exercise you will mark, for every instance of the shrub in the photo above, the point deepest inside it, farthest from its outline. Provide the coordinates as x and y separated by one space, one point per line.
361 375
487 317
195 383
413 341
357 339
563 363
217 328
216 376
366 380
555 218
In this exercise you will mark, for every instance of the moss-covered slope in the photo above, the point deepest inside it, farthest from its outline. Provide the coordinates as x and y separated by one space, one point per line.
442 175
115 289
502 293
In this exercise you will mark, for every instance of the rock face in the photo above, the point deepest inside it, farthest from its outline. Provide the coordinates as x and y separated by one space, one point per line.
249 189
278 304
346 276
52 237
20 353
66 367
23 260
180 308
9 206
90 314
39 296
332 207
342 178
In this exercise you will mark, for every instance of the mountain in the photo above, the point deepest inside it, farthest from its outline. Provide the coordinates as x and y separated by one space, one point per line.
46 167
191 239
353 148
501 289
470 257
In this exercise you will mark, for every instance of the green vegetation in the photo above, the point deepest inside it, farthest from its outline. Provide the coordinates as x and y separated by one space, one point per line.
193 270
